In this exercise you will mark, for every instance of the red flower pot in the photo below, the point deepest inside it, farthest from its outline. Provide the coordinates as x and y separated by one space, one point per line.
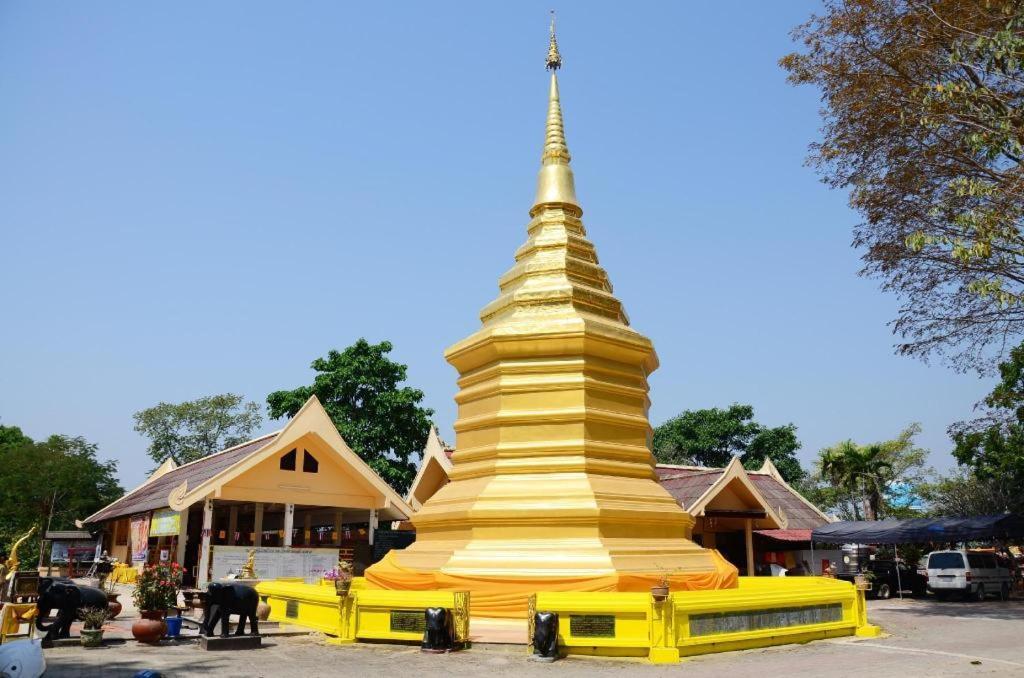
151 628
114 605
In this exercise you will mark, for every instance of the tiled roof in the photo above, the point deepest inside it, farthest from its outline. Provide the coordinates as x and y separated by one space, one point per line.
799 516
154 495
688 483
786 535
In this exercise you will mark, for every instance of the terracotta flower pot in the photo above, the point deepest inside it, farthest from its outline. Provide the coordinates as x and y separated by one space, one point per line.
114 605
659 593
151 628
263 609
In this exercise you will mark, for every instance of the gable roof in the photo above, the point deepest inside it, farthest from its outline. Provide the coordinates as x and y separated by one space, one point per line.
311 419
734 472
688 484
435 452
181 487
154 493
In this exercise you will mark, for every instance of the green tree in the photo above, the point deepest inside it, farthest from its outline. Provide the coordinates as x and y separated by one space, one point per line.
11 436
712 437
381 420
922 106
992 446
197 428
965 494
870 477
61 475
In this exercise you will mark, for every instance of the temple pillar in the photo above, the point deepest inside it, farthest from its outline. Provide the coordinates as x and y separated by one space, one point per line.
203 576
289 523
337 528
748 537
179 554
232 524
257 525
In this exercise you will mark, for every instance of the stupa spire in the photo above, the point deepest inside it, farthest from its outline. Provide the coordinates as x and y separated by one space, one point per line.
555 183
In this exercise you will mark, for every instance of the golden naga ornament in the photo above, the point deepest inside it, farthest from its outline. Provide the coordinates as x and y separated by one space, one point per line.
553 485
12 563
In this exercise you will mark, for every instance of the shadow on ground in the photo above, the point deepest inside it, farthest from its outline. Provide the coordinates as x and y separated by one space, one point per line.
119 661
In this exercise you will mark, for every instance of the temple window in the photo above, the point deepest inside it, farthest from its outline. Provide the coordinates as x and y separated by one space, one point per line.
288 461
309 463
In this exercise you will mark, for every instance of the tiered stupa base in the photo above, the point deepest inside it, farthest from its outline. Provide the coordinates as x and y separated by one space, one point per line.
582 532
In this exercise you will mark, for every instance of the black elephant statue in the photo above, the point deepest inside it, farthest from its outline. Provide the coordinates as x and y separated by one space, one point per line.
224 600
439 635
67 598
545 636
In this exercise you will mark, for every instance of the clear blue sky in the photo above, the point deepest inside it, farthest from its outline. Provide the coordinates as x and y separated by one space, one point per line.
202 197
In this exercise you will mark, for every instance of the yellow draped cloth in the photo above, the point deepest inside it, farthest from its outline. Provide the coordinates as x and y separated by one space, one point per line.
506 597
124 573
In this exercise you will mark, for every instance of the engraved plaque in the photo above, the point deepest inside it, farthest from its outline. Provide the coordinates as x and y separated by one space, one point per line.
755 620
592 625
408 621
291 609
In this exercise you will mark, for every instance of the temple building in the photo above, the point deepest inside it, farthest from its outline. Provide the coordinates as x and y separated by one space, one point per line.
552 484
297 495
754 518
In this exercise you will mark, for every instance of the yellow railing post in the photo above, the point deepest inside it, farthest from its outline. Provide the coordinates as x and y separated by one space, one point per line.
346 620
663 649
864 629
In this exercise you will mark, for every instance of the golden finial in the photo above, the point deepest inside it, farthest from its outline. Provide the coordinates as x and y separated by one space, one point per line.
554 58
555 185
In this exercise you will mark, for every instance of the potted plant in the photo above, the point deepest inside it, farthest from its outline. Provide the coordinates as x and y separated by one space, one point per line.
660 590
155 591
92 631
341 576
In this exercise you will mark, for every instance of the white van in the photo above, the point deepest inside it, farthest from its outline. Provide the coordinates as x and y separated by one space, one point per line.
969 573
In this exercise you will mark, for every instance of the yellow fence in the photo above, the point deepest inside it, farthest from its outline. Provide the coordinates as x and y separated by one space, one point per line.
761 611
364 614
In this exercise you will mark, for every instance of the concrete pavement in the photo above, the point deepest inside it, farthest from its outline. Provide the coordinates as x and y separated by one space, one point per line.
926 638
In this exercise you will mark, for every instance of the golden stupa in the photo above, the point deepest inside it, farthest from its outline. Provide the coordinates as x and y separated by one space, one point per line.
553 485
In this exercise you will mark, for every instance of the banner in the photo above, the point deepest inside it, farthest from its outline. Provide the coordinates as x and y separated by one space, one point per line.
165 523
140 537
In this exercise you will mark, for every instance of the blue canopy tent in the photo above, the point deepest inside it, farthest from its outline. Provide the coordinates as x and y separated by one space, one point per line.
920 530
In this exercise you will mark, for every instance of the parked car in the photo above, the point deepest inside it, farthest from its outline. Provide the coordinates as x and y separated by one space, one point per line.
887 581
970 574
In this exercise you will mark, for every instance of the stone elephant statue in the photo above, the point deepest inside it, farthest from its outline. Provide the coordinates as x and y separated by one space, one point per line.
224 600
545 635
439 634
67 598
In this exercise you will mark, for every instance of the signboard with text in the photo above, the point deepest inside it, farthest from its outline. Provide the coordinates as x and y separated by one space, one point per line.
274 562
165 523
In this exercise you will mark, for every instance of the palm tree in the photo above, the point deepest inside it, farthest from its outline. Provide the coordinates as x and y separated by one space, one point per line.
862 470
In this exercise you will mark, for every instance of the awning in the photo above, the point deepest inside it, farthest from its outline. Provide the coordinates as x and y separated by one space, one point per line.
920 530
786 535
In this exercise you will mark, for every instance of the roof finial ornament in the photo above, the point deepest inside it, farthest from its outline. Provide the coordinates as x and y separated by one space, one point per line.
554 58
